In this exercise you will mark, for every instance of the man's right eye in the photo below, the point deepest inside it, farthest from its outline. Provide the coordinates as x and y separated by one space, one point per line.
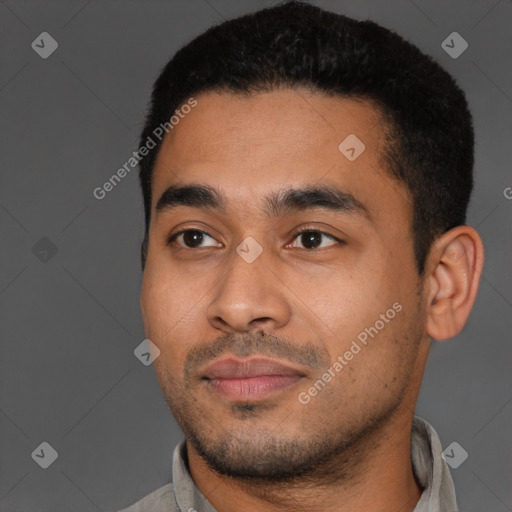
193 239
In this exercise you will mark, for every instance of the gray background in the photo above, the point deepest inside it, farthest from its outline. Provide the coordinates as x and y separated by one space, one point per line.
69 325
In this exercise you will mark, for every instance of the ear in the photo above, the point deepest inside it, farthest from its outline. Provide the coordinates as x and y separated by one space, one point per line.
455 262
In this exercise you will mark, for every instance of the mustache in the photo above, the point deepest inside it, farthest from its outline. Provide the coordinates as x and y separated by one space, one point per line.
255 344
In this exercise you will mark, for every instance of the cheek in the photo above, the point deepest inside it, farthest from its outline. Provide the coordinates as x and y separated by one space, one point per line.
173 309
366 308
168 299
347 303
378 355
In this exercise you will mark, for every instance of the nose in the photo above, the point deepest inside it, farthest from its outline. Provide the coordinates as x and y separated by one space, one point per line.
248 297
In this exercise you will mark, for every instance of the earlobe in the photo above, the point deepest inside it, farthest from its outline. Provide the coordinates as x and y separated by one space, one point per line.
456 261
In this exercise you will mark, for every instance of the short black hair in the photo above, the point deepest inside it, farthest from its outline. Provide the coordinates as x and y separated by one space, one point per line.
428 125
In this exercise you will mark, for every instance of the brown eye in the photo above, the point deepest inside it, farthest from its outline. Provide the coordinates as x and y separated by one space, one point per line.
313 239
194 238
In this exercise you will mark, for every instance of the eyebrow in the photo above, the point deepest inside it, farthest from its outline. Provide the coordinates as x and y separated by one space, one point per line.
282 202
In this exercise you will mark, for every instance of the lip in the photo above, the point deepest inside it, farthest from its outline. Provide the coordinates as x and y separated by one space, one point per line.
250 378
238 368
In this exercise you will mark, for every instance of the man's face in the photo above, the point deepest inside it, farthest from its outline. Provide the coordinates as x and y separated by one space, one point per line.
249 314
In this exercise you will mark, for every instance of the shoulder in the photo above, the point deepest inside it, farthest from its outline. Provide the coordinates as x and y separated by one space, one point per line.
161 500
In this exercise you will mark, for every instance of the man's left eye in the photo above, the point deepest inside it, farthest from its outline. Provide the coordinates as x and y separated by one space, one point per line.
313 239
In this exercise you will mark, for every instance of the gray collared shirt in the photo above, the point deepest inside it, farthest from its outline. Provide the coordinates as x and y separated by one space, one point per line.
429 467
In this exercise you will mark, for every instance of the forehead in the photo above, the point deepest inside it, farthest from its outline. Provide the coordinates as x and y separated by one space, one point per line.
251 146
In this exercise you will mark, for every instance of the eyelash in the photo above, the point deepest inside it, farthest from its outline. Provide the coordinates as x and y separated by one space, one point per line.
294 237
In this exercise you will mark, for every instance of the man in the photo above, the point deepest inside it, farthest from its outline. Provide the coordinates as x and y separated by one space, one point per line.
305 240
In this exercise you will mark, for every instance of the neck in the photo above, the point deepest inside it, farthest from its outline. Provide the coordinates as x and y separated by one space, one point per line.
375 474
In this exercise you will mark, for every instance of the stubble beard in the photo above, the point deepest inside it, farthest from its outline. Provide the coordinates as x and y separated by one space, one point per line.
337 448
269 457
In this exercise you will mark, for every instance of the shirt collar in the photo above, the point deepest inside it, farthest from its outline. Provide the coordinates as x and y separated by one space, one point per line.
187 495
431 470
428 464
